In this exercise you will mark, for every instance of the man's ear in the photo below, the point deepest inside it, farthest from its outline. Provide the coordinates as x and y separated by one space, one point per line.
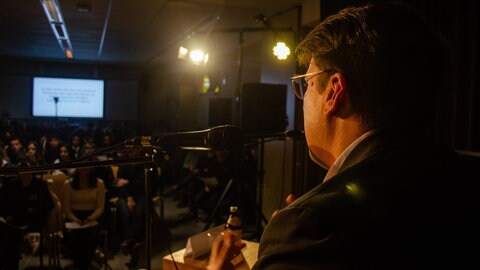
335 94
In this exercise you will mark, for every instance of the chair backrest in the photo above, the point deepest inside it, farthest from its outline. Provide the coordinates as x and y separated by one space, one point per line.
55 183
52 233
114 171
56 219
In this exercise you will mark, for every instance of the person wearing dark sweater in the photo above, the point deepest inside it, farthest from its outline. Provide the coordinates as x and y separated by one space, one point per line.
129 186
25 204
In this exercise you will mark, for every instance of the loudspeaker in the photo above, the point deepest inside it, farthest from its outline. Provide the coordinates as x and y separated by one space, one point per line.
219 111
263 108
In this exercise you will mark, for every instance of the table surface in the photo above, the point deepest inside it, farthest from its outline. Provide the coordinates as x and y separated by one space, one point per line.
249 254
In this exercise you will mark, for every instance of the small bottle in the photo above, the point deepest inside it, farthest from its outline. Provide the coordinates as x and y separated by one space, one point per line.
234 223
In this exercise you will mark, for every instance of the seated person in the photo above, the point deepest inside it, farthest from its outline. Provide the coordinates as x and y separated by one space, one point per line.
195 164
64 156
83 205
214 172
34 155
131 204
130 188
15 151
25 204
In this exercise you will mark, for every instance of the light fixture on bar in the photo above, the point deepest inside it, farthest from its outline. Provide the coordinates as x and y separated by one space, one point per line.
52 10
54 15
68 54
281 51
197 56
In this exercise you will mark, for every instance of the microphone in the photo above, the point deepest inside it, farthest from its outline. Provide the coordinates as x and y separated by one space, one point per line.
295 135
225 137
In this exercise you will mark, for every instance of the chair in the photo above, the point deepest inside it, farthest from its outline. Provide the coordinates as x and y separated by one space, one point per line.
108 233
52 234
55 183
102 251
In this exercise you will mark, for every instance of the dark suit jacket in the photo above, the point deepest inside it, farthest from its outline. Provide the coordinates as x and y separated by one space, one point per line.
397 203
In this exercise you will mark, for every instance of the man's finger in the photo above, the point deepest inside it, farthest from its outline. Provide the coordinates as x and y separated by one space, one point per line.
217 243
290 199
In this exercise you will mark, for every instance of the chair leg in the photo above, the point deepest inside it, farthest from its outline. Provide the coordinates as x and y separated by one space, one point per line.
57 250
104 249
50 247
40 249
54 251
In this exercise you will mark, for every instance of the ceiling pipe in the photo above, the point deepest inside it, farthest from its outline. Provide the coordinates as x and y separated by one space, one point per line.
105 26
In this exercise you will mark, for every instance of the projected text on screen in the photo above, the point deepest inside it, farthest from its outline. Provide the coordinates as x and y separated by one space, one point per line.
62 97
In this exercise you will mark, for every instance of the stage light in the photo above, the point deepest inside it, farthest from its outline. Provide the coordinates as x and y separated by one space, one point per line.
182 52
206 84
281 51
197 56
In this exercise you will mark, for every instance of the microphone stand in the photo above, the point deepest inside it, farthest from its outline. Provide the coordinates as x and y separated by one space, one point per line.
148 168
261 140
55 100
149 159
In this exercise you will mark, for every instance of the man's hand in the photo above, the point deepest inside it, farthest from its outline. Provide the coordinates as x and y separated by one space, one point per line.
87 220
224 252
290 199
9 219
121 182
78 221
131 204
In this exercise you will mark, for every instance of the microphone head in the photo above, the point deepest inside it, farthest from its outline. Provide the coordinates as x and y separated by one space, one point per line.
226 137
295 135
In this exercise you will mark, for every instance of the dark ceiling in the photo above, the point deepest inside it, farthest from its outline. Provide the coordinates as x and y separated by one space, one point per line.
134 31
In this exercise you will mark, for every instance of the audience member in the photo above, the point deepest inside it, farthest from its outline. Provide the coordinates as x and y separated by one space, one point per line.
189 184
15 151
25 204
83 204
103 172
34 155
213 173
131 208
52 152
4 160
63 156
75 147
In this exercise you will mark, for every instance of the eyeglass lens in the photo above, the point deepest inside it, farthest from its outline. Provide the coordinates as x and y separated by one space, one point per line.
299 87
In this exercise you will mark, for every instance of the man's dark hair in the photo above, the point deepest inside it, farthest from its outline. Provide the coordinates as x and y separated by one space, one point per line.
393 61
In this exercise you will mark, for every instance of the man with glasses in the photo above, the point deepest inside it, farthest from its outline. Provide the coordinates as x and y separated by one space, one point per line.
392 198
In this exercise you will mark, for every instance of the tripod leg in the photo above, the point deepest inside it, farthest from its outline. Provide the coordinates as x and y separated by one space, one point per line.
214 212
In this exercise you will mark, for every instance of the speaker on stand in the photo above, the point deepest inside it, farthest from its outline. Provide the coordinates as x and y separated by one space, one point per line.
263 112
219 111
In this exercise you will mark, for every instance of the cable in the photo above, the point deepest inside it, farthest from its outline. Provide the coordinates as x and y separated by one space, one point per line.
282 192
171 255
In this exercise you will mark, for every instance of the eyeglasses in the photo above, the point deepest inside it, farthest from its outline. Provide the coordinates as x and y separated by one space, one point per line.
300 82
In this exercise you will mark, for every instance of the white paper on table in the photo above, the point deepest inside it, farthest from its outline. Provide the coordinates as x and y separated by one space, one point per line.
75 225
199 244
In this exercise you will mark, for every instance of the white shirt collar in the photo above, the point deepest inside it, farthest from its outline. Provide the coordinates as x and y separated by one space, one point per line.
335 168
